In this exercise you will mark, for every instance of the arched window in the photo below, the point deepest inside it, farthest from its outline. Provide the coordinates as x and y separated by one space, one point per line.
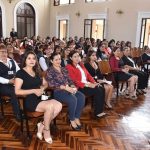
1 30
25 20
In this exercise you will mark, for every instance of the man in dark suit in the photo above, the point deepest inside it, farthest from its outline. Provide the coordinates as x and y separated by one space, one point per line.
13 33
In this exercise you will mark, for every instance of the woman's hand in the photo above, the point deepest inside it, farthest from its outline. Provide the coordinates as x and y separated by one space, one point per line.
38 92
71 90
92 85
126 70
100 81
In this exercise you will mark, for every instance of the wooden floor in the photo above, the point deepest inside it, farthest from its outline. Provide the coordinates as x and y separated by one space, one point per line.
127 127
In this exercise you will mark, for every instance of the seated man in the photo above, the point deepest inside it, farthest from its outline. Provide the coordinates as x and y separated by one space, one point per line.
8 69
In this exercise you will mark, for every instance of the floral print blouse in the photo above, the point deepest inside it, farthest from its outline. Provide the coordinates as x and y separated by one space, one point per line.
55 78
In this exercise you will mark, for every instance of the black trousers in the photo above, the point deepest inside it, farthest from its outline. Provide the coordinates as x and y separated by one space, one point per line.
8 90
99 97
142 78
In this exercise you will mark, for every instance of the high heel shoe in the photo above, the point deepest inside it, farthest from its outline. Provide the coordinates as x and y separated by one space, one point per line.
39 134
77 128
48 140
108 105
77 121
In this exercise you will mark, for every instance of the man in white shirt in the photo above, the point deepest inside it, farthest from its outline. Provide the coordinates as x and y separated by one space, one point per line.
8 69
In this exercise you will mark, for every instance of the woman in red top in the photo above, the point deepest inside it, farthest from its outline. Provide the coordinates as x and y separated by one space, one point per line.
85 82
121 72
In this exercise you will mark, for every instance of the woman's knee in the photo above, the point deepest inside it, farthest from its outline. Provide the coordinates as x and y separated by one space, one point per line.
71 100
106 88
132 79
57 105
111 87
135 78
81 96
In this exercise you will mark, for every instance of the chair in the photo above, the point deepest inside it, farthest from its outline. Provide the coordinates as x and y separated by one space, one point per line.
105 69
26 115
136 54
3 99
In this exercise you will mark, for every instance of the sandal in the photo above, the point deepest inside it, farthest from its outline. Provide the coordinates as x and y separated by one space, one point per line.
39 134
133 97
127 96
48 140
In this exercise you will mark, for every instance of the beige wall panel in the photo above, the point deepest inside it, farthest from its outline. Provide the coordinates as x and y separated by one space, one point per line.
119 26
42 8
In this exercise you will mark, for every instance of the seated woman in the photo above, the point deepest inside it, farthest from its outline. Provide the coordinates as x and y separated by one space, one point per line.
142 76
102 53
28 82
146 59
92 66
65 91
122 73
64 56
85 83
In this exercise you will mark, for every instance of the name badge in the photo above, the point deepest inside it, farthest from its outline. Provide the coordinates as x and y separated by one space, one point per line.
10 72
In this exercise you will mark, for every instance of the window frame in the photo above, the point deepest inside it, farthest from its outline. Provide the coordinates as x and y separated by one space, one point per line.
92 1
66 27
26 16
91 26
141 42
1 22
58 3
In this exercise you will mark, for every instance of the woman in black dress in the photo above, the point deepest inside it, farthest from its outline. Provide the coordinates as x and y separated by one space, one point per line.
92 67
29 83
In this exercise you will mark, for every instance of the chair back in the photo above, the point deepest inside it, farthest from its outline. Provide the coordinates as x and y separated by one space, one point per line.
104 67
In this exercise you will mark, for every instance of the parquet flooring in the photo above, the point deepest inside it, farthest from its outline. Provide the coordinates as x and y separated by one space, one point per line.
126 127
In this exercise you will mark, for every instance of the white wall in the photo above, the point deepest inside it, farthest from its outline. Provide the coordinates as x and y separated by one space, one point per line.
119 26
42 7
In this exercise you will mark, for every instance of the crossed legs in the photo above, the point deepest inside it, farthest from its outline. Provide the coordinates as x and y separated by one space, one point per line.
51 108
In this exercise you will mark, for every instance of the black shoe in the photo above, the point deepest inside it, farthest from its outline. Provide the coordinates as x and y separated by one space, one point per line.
144 92
80 126
75 128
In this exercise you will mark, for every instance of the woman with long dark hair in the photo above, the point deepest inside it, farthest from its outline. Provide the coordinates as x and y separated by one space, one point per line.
65 91
85 83
92 66
29 83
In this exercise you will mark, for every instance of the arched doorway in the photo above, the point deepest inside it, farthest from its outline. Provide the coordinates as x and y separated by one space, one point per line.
25 20
1 30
